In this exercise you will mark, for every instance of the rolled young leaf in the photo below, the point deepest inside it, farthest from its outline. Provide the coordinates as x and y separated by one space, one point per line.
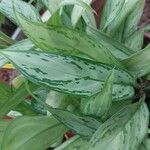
99 104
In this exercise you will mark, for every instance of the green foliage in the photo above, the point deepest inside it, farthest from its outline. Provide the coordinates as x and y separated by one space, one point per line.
75 76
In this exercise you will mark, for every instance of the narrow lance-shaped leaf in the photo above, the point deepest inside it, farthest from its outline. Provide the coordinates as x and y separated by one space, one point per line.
136 40
21 7
70 74
125 130
118 21
54 5
89 19
110 12
85 126
60 39
79 11
99 104
139 64
82 125
131 23
44 130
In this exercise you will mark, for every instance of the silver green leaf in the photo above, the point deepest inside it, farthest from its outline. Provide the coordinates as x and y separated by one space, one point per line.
54 5
110 12
79 11
99 104
70 74
119 20
23 132
136 40
85 126
65 40
21 7
131 23
138 64
23 45
116 48
145 144
125 130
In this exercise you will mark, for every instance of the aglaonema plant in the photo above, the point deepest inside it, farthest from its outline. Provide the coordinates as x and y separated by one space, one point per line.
93 81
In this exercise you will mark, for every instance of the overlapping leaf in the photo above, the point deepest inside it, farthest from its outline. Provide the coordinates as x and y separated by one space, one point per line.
117 49
110 12
99 104
10 99
125 130
85 126
138 64
70 74
116 28
133 19
65 40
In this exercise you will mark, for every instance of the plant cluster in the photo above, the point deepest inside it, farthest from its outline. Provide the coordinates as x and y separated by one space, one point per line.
92 80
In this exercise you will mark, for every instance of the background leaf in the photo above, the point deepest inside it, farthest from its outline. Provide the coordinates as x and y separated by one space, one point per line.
21 7
45 131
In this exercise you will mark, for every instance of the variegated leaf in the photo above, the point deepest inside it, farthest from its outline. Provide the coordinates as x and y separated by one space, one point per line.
99 104
21 7
85 126
125 130
139 64
54 5
70 74
131 23
116 48
65 40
